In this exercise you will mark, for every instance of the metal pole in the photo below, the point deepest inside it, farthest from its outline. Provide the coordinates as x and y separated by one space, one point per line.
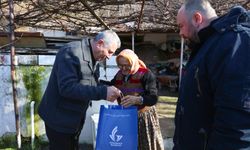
181 61
13 74
32 120
133 41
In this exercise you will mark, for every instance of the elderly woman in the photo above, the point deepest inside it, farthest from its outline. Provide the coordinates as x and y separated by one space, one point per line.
138 84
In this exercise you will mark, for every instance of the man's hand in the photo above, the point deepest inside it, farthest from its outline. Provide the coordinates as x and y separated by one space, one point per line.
112 93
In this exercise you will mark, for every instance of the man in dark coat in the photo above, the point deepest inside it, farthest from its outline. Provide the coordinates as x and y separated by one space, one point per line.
72 85
213 109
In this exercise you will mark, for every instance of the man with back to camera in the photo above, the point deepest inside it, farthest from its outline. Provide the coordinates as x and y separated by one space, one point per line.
213 108
72 85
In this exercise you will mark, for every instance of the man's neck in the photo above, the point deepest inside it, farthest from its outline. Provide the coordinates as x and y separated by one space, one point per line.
207 22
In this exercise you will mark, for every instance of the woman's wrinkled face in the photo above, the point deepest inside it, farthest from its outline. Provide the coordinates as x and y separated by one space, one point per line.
124 65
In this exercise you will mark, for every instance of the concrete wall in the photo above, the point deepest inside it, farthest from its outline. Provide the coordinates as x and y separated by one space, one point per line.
159 38
155 38
6 104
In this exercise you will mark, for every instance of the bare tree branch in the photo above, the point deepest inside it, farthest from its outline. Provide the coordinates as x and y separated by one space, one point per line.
73 15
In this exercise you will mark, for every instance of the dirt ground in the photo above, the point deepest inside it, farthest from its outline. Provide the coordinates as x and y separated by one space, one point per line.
166 112
167 127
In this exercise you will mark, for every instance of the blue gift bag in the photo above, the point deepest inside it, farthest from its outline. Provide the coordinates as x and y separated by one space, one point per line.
117 128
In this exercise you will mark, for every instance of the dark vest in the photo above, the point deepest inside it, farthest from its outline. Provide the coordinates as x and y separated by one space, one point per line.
89 70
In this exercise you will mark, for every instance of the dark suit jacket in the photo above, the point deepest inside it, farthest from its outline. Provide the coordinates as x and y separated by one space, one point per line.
72 85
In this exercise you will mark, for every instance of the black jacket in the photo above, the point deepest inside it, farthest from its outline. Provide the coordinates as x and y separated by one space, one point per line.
72 85
213 108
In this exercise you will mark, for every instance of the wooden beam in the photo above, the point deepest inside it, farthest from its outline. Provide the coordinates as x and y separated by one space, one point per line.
140 16
84 2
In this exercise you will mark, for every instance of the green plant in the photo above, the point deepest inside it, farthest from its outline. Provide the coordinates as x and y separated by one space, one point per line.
8 140
32 77
9 143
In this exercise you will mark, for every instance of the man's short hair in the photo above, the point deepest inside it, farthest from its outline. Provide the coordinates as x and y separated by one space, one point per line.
203 6
109 38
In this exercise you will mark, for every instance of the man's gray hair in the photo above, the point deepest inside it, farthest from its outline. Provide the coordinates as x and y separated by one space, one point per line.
203 6
109 37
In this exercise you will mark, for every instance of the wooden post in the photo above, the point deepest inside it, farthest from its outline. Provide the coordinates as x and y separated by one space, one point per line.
13 73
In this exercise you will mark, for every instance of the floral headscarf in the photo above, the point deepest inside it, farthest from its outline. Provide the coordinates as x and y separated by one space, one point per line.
133 59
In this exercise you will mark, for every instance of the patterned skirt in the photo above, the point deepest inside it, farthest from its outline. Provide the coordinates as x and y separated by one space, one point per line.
149 133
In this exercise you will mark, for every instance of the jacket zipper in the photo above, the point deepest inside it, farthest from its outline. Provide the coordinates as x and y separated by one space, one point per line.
203 132
198 81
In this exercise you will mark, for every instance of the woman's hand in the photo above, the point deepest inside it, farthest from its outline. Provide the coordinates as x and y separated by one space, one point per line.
130 100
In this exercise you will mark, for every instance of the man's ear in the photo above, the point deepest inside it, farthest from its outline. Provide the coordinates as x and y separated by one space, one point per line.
100 43
197 18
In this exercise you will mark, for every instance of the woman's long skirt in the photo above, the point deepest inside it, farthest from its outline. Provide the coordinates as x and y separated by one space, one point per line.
149 133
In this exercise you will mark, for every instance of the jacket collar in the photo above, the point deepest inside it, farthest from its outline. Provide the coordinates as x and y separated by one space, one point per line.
203 34
88 53
87 50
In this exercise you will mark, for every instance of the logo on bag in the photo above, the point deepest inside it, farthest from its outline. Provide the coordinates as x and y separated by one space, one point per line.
115 137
